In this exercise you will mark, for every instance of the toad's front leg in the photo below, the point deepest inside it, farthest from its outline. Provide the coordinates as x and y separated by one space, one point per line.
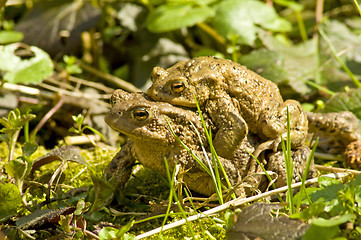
119 169
231 127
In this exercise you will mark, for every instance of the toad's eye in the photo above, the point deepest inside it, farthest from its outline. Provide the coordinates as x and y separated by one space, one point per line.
140 114
178 87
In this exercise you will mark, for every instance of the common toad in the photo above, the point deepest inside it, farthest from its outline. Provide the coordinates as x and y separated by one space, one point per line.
236 98
150 141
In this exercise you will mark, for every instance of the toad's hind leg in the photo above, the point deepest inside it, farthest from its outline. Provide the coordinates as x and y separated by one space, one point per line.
232 128
272 124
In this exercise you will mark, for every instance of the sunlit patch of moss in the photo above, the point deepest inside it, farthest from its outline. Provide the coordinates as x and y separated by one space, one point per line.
203 229
147 182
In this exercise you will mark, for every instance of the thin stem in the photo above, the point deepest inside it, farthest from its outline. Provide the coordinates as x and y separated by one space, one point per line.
339 60
12 143
110 78
213 33
319 87
301 26
357 6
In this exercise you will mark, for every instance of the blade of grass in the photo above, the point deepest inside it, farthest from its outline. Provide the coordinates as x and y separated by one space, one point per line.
304 176
236 203
188 149
214 171
319 87
357 6
289 164
213 151
171 183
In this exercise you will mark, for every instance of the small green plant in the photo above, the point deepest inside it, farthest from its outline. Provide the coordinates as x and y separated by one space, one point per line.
79 120
19 167
109 233
12 126
331 206
71 65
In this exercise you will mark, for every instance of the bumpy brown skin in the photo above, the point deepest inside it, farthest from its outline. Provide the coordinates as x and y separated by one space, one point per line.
144 122
335 130
236 98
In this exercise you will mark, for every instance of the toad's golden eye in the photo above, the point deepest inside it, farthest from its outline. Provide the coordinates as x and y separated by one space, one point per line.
140 114
178 86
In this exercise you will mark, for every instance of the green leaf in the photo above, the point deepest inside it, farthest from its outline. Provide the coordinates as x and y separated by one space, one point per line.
10 200
108 233
320 233
18 70
326 181
312 211
172 17
243 18
18 168
322 222
125 228
345 101
29 148
7 37
328 194
103 192
287 65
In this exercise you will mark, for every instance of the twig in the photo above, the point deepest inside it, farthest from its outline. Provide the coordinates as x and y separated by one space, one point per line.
78 140
327 156
47 117
234 203
110 78
336 170
95 85
69 97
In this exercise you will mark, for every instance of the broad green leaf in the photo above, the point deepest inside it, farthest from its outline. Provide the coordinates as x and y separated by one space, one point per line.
345 101
312 211
10 200
7 37
243 18
172 17
322 222
288 66
320 233
328 194
347 44
32 70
